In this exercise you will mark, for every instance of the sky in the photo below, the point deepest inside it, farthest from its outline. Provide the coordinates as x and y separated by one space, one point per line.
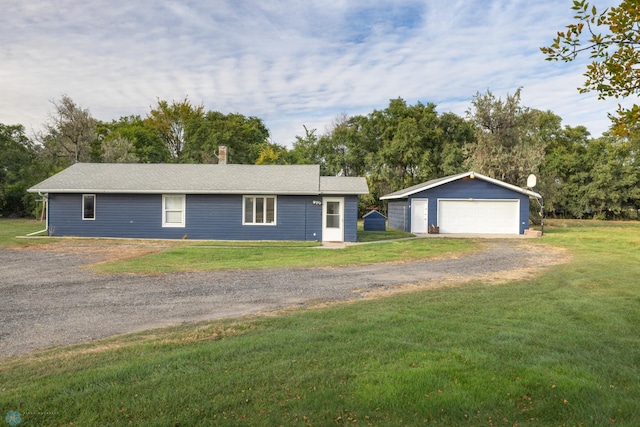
292 63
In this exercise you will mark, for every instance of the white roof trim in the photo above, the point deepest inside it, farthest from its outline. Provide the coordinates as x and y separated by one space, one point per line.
438 182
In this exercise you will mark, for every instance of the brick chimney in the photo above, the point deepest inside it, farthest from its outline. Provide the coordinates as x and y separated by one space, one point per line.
222 155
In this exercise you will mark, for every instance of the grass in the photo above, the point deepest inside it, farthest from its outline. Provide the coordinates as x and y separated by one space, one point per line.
204 258
208 256
372 236
180 256
10 228
560 349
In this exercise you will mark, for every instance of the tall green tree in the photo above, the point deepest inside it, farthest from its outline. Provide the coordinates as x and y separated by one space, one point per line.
509 144
563 170
612 184
172 121
407 143
611 39
244 137
306 148
396 147
131 139
591 178
17 171
454 135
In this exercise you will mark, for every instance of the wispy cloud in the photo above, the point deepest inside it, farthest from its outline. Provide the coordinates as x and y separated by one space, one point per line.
291 63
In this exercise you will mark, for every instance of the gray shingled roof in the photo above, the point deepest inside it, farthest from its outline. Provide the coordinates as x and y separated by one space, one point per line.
194 179
343 185
406 192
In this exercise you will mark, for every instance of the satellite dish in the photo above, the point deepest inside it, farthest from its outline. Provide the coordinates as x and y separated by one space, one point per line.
531 181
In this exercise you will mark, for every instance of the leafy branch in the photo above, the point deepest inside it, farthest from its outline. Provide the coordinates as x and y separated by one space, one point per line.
614 70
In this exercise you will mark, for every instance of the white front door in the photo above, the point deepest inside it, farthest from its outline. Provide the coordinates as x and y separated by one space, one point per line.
419 215
333 219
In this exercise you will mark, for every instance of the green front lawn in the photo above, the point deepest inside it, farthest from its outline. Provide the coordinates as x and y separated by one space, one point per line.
206 258
186 255
560 349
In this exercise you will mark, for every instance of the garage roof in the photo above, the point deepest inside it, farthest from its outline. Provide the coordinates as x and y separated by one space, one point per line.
402 194
198 179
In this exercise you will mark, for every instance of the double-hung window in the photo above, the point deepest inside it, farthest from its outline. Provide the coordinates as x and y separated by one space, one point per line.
259 210
88 206
173 210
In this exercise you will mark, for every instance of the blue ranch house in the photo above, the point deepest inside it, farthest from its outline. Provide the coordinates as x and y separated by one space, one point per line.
202 201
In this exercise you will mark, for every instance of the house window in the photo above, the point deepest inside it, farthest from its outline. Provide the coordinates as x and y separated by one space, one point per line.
88 206
173 210
259 210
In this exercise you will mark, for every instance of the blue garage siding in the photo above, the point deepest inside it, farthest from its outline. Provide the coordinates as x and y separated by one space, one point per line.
467 188
399 214
207 217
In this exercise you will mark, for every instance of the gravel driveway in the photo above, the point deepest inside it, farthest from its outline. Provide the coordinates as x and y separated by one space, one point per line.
48 298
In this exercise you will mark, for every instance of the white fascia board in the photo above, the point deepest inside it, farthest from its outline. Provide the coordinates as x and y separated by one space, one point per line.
426 187
460 176
509 186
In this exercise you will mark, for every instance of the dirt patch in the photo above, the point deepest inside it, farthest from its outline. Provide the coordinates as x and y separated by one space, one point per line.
97 251
541 258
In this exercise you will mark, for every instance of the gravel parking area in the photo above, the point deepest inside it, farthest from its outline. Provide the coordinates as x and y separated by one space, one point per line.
50 298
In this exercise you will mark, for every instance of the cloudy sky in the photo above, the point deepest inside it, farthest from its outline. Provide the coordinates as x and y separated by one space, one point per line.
289 62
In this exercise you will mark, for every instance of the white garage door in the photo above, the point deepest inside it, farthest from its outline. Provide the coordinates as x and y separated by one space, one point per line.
479 216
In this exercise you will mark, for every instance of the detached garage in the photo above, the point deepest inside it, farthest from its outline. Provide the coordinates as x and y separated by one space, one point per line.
464 203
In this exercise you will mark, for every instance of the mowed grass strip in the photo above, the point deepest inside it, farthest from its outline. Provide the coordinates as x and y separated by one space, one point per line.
183 255
560 349
207 258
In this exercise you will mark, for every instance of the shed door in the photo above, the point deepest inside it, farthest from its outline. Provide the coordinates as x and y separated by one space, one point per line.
479 216
333 219
419 215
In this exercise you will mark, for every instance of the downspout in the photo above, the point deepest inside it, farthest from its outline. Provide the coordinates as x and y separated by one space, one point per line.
46 213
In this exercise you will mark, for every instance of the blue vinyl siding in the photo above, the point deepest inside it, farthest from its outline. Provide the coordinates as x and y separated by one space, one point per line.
399 215
215 217
465 188
375 221
351 218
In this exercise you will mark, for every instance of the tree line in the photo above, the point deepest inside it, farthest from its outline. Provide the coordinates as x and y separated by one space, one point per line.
394 148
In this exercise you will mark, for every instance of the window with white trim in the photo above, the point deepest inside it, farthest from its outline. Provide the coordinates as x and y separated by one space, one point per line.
259 210
173 210
88 207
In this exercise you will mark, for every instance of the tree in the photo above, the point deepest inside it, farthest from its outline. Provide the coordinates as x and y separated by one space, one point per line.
70 133
131 139
272 154
454 134
563 170
340 148
171 121
305 148
613 43
243 136
118 150
612 184
18 171
508 142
